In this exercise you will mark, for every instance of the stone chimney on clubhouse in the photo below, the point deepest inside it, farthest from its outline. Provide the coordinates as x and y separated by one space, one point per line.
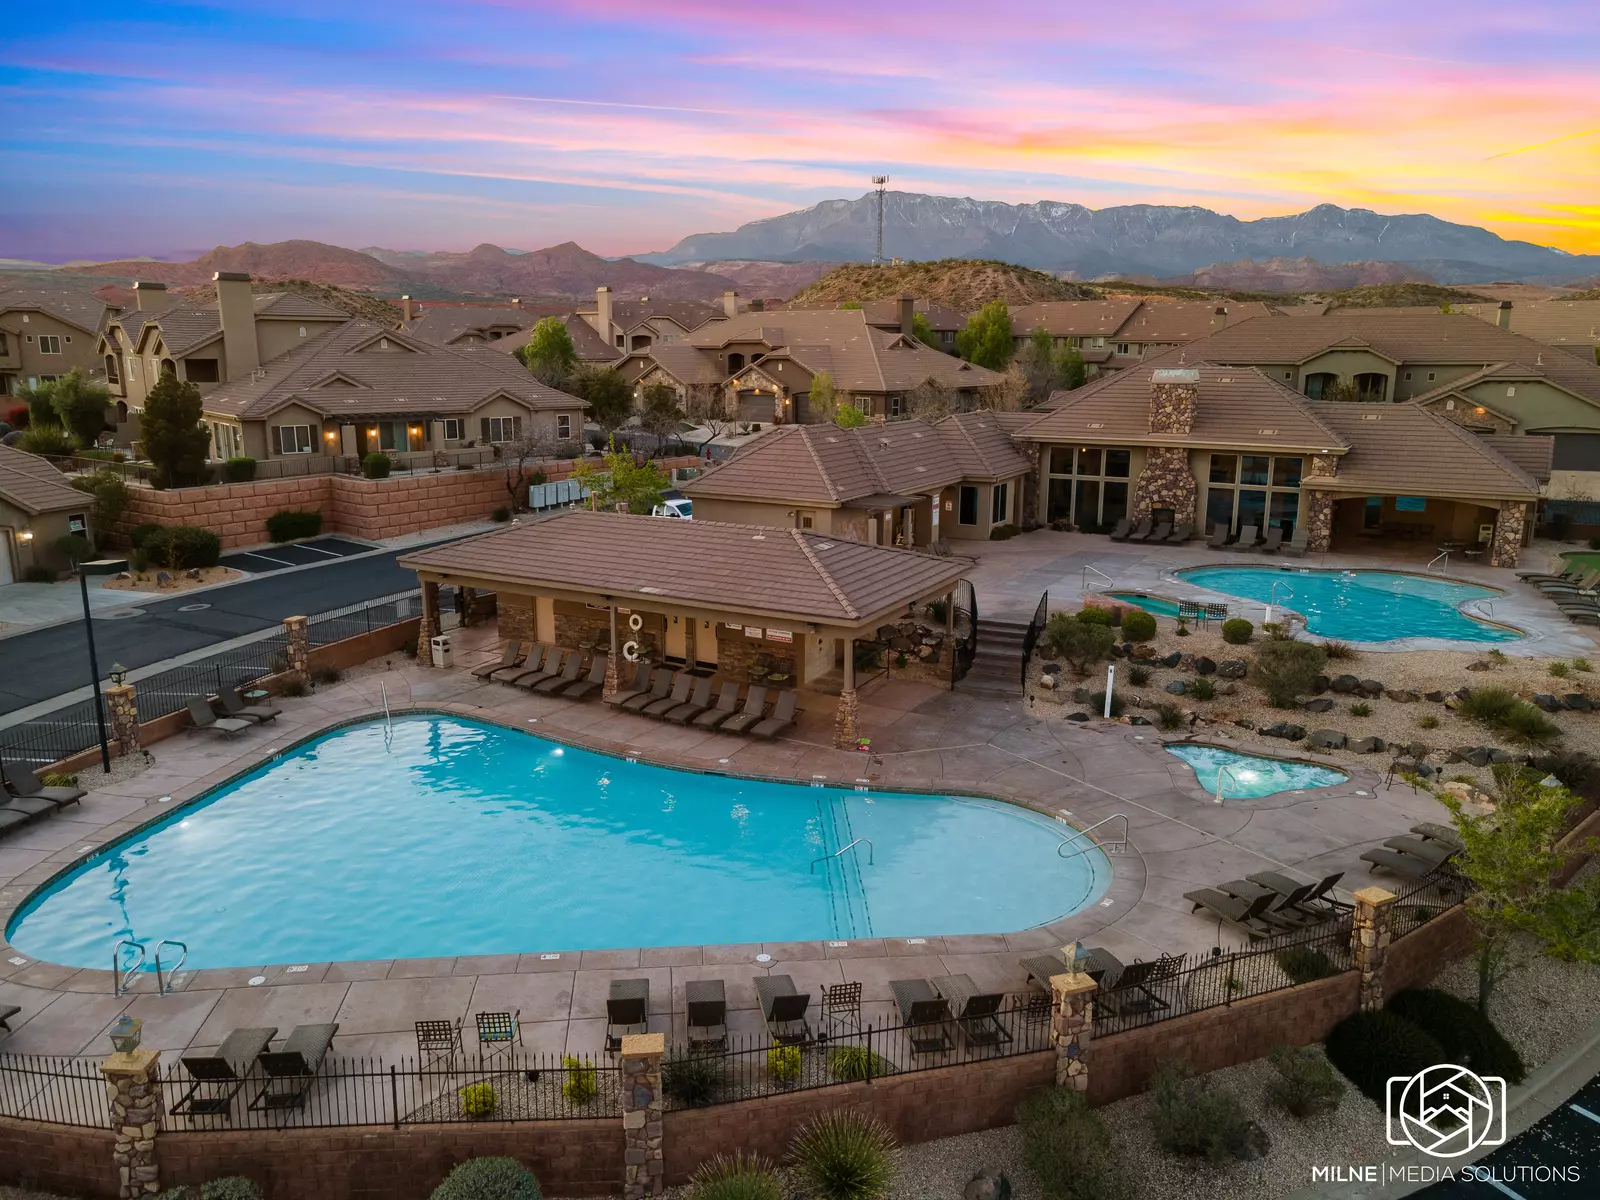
1174 395
602 313
150 297
406 310
1219 318
1502 316
236 307
908 313
730 304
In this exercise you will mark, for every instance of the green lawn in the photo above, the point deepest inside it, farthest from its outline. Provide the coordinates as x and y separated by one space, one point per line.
1588 559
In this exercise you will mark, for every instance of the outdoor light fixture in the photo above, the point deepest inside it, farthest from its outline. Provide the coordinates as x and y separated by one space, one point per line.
25 536
117 672
125 1034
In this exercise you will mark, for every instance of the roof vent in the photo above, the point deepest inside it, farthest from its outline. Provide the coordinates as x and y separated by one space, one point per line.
1097 425
1372 416
824 545
1266 431
654 591
1226 379
758 537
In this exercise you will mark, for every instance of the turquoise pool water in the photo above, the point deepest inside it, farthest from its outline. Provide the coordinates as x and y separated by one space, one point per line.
1250 777
1361 606
1158 605
455 837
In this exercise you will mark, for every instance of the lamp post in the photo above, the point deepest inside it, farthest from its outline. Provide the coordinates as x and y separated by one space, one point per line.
94 668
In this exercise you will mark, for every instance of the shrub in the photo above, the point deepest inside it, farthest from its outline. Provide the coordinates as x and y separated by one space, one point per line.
1138 675
1361 709
291 523
110 492
376 466
1559 669
1468 1037
142 533
1188 1117
1338 651
1285 669
37 574
1427 721
1202 688
496 1178
323 673
1138 626
239 469
139 560
1066 1145
230 1187
1001 532
1094 615
1079 642
478 1100
937 611
736 1177
1236 631
783 1063
1169 717
849 1063
1302 964
582 1084
1526 725
1306 1084
74 547
501 514
692 1080
59 779
1368 1047
1488 705
1594 543
179 547
1097 702
844 1156
1581 664
46 439
294 687
1573 768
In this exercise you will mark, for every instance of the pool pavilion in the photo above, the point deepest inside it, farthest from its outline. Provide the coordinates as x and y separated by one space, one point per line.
738 603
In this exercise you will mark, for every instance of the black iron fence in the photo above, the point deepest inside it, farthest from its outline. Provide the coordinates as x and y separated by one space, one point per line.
966 630
1420 902
337 624
57 1091
1035 630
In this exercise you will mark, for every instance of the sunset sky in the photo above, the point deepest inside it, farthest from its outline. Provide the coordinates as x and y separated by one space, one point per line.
166 129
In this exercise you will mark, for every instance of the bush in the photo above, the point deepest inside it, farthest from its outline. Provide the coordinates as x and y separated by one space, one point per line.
1169 717
74 547
239 469
1079 642
1285 669
1138 626
46 439
1488 705
501 514
1097 703
1338 651
1559 669
230 1187
142 534
496 1178
478 1100
1582 664
38 574
110 492
1001 532
291 523
1236 631
1468 1037
850 1063
1306 1083
294 687
582 1083
1361 709
1302 964
1189 1118
59 779
323 673
1094 615
1138 675
692 1080
1066 1145
736 1177
1427 721
844 1156
1369 1047
179 547
376 466
1573 768
783 1063
1202 688
139 560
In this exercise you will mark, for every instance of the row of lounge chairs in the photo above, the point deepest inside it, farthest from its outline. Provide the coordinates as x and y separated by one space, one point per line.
229 714
1124 988
1575 591
288 1072
1250 540
1427 849
1269 903
26 799
547 670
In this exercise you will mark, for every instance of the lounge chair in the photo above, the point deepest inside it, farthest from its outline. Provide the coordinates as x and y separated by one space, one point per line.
593 682
498 1031
627 1011
25 783
679 695
1582 616
292 1069
1298 541
1285 905
1434 832
659 687
1319 899
782 717
29 808
215 1078
204 718
1130 991
438 1040
640 685
707 1004
841 1007
977 1014
1274 539
1424 848
7 1011
1040 967
755 700
567 676
1140 532
543 662
1248 536
1248 915
783 1009
1574 571
1161 533
1120 533
1408 865
510 656
1218 538
1584 585
925 1015
1179 535
234 705
727 704
699 700
10 821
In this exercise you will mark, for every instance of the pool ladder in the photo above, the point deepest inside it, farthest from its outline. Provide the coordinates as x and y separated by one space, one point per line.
1222 770
871 853
123 972
1111 846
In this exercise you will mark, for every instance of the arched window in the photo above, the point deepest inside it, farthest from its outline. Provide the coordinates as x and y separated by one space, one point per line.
735 363
1319 382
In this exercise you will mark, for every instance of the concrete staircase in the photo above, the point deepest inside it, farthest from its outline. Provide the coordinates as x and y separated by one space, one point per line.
997 664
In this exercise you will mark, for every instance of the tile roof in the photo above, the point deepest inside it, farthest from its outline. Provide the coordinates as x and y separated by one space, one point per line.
683 362
941 317
591 347
1509 373
1405 449
1185 320
1533 452
185 327
983 445
629 314
741 569
444 323
416 379
83 309
34 486
1570 324
1073 318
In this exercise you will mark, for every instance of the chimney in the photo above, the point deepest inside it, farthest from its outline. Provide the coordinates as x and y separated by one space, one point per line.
237 309
602 306
516 302
908 310
1219 318
150 297
406 311
730 304
1502 318
1174 395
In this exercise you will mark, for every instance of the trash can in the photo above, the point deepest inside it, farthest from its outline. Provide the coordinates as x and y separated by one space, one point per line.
443 655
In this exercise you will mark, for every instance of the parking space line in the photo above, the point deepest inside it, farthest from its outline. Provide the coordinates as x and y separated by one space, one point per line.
264 558
320 550
1584 1112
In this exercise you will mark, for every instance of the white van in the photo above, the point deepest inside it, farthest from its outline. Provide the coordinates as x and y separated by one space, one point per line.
681 509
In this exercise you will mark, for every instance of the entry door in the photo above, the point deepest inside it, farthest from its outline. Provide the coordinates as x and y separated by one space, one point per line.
705 644
677 638
6 575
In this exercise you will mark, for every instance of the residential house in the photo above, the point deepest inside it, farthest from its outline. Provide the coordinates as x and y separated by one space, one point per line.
1113 334
628 325
592 349
1570 325
38 507
944 321
466 324
46 332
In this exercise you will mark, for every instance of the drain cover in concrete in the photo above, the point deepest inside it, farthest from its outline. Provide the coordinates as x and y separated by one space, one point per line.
119 614
192 607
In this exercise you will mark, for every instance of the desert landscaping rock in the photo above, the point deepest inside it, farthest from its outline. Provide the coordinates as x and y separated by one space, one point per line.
1345 685
1576 702
1371 688
1327 739
1435 697
1233 668
1320 684
1547 702
1177 687
1286 730
1205 666
1318 706
1478 666
1402 696
1172 659
1367 745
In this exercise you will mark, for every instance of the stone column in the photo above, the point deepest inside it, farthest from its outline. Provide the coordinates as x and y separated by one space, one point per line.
124 718
643 1172
612 684
297 648
429 625
1319 522
1369 943
1506 547
1072 1027
846 717
468 603
133 1084
1166 482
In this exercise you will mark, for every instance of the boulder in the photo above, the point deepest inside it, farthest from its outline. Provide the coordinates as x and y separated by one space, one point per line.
1052 668
1452 702
1205 666
1177 687
1318 706
1227 687
1478 756
1345 685
1368 745
1327 739
1320 684
1242 723
1547 702
1402 696
162 579
192 573
1078 717
1049 682
1172 659
1434 697
987 1185
1371 688
1138 720
1417 750
1286 730
1233 668
1577 702
1503 756
1477 666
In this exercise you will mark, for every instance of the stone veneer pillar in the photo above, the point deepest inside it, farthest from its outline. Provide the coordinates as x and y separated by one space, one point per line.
1319 522
468 604
847 714
429 625
1166 482
609 688
297 648
133 1085
1369 943
642 1106
1072 1027
124 718
1506 547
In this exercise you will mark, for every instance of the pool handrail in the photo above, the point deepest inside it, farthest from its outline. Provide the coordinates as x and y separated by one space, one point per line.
1444 554
122 977
872 853
1113 846
1083 577
1224 769
164 982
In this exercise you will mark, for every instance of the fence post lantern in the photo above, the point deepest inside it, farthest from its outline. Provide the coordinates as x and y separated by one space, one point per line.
117 672
125 1034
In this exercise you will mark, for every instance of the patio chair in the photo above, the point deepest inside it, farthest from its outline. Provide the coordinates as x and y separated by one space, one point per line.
1584 584
1160 533
977 1014
925 1015
678 696
1409 865
755 700
1432 831
1274 539
1218 538
438 1039
590 684
204 718
569 675
497 1031
510 656
699 700
1040 967
627 1011
1140 532
1130 991
1248 915
12 821
707 1004
1120 533
25 783
542 662
1575 571
1180 534
639 687
1298 540
727 704
292 1069
782 717
1424 848
234 705
841 1007
659 687
216 1078
783 1009
28 808
1248 536
1317 900
7 1011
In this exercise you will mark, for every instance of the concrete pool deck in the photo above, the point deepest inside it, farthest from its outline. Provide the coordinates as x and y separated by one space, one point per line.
922 738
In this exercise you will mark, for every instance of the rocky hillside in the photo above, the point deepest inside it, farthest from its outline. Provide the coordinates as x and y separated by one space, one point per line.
357 304
313 261
766 280
1303 274
964 284
564 270
1398 295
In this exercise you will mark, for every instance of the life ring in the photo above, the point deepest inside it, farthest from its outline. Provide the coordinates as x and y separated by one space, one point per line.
636 622
630 651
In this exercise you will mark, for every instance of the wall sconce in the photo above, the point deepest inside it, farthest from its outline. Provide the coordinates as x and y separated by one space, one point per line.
117 672
330 435
25 535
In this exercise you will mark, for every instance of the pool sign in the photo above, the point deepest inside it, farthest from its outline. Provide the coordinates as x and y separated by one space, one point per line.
1446 1111
780 635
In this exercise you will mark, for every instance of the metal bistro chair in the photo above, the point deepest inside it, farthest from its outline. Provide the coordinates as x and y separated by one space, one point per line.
841 1008
497 1031
438 1040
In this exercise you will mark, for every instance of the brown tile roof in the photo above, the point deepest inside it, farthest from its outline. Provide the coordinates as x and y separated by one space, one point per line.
417 380
1570 324
1510 373
1238 406
1073 318
1533 452
982 444
83 309
443 324
680 360
741 569
1404 449
1184 320
630 314
885 313
34 486
186 327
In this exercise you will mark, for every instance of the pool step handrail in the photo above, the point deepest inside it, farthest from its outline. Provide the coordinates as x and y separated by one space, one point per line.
121 976
1224 769
388 721
164 980
871 853
1083 584
1109 846
1444 554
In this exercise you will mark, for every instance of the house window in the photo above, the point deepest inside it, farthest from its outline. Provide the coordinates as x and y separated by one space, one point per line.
1254 489
1432 375
807 521
294 439
1511 391
454 429
49 343
133 367
1127 348
1089 485
563 427
967 505
501 429
1000 504
5 346
201 370
1408 376
897 406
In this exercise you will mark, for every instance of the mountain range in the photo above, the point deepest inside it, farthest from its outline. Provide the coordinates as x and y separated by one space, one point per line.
1128 240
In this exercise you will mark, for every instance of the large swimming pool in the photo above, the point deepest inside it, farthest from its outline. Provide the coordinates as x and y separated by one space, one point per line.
1361 606
452 837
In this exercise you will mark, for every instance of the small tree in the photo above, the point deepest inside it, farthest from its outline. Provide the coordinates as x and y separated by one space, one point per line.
931 401
174 438
621 483
80 406
1039 366
1078 642
550 354
1012 394
848 416
609 397
1073 371
821 403
986 340
110 494
534 445
706 405
922 330
41 411
662 415
1285 669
